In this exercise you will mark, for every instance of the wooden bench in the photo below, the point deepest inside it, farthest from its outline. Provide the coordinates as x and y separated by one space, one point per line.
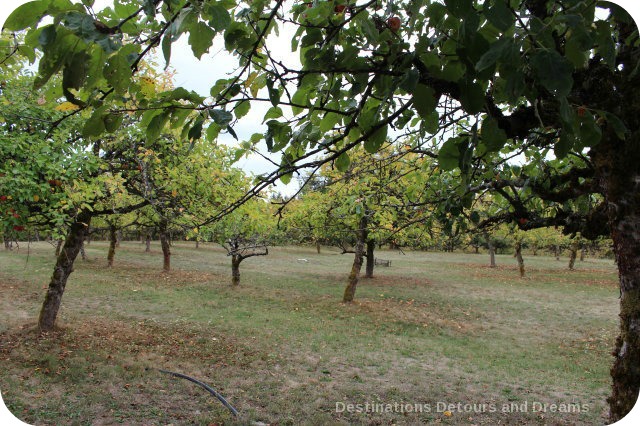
382 262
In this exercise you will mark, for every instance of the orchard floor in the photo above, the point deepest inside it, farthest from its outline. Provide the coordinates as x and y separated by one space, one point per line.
431 330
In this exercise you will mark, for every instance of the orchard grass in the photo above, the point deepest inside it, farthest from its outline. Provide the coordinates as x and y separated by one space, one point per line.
433 327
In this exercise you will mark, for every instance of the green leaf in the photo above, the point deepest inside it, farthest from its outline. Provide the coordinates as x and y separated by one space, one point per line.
286 178
221 117
274 94
449 154
493 137
112 122
471 96
410 80
459 8
494 54
606 46
201 38
156 126
95 125
553 71
26 15
242 109
195 132
329 120
343 162
232 132
118 72
564 145
424 100
432 122
590 133
617 125
166 49
500 16
273 112
220 18
373 143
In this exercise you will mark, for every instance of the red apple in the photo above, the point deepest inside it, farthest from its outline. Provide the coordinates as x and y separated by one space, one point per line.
394 23
3 198
523 221
18 228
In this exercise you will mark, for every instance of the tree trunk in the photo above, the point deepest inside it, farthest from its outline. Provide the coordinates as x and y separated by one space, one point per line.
147 242
361 236
519 258
476 249
118 237
7 245
556 252
492 256
318 246
59 247
617 165
573 254
36 235
83 254
164 243
62 270
235 270
113 243
583 252
197 243
371 245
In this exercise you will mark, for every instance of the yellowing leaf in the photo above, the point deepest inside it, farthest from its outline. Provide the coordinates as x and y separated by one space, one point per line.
147 86
67 106
36 198
174 193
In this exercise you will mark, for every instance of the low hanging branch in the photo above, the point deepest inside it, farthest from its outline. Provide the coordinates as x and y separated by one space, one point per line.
205 386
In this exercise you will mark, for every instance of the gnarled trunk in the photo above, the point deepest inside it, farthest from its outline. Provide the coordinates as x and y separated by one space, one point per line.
62 270
618 167
113 243
361 236
164 243
371 245
519 258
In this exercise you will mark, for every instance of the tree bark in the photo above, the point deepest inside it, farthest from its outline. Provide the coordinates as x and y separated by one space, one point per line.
573 254
361 236
62 270
235 270
147 242
59 247
519 258
492 256
618 167
318 246
164 243
113 243
371 245
197 243
83 254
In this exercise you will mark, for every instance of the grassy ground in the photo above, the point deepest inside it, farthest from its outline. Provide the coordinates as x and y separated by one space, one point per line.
432 329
